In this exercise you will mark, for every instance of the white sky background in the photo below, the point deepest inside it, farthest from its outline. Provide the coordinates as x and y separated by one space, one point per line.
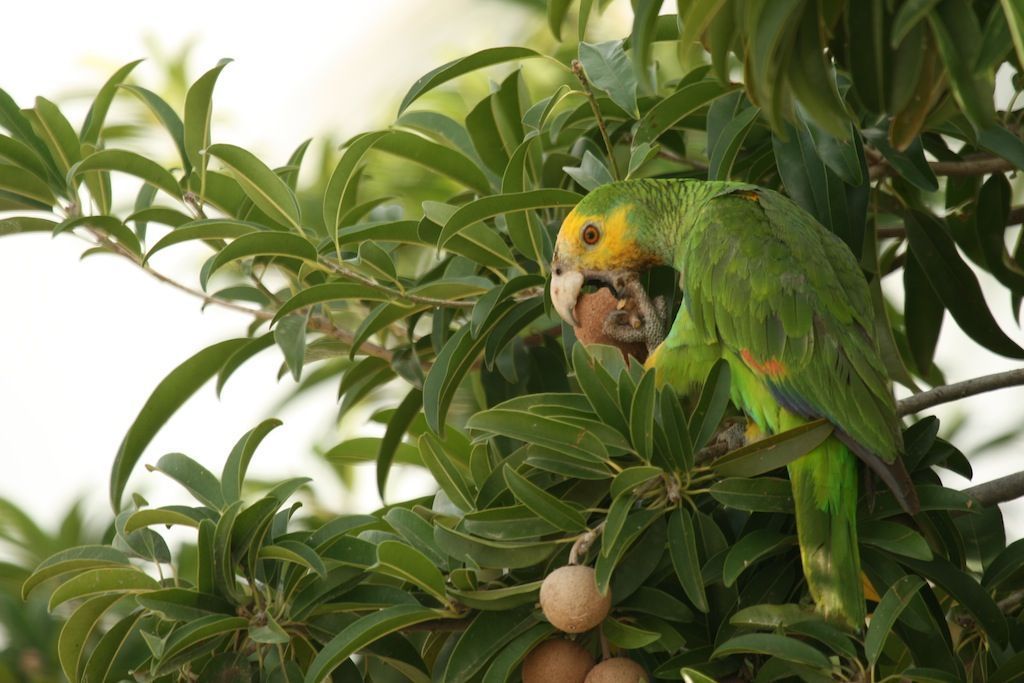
83 343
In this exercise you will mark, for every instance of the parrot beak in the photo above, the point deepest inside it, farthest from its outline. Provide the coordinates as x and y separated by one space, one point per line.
566 286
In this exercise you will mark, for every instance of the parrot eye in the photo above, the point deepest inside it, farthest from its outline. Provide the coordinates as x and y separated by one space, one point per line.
591 234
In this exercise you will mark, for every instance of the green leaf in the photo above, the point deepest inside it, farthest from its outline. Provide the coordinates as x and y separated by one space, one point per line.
544 431
363 632
641 416
290 337
198 112
752 548
204 229
763 494
728 143
669 111
94 119
557 10
773 452
447 474
181 604
714 397
504 664
964 589
165 516
198 480
167 117
642 37
498 599
57 133
1014 11
436 157
628 479
70 560
121 580
771 644
608 68
399 423
235 466
261 244
492 554
682 546
332 291
895 538
238 358
543 504
105 656
338 197
108 224
168 396
132 164
958 36
418 532
494 205
270 633
200 630
626 636
79 630
264 187
463 65
591 173
404 562
911 163
15 179
907 17
955 283
888 611
481 640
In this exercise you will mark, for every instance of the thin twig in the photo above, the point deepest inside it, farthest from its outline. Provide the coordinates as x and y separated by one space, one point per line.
1010 487
340 269
955 392
316 323
1014 217
975 164
577 69
1011 601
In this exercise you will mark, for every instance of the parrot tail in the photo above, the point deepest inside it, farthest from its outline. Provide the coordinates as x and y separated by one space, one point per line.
825 498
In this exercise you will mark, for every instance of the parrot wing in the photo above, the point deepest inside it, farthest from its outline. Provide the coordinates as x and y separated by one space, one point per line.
787 297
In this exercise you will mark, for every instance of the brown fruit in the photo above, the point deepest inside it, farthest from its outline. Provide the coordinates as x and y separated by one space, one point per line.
617 670
570 599
591 310
557 661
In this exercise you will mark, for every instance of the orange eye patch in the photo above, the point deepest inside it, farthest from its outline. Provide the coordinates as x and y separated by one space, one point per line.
590 234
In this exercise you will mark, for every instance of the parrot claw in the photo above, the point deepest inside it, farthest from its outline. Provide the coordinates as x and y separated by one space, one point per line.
637 318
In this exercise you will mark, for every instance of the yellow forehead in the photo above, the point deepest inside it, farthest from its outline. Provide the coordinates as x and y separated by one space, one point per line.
614 250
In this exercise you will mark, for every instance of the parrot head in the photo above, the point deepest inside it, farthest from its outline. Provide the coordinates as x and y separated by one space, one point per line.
603 238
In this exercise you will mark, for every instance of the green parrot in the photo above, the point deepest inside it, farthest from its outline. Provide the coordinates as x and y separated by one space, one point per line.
782 300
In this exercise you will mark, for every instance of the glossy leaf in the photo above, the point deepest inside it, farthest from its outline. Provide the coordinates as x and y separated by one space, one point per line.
772 452
888 611
609 69
682 545
543 504
463 65
165 400
266 190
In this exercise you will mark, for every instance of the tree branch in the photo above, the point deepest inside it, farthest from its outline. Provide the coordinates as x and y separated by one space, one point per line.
321 324
974 164
1001 490
955 392
577 69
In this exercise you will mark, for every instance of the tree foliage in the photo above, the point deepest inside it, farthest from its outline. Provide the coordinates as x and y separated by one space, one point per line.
879 118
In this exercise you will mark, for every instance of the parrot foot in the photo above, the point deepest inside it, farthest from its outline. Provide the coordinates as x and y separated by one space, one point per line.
637 318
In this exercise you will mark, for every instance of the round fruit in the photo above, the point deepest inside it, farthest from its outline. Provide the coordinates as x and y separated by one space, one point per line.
617 670
591 311
571 601
557 661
